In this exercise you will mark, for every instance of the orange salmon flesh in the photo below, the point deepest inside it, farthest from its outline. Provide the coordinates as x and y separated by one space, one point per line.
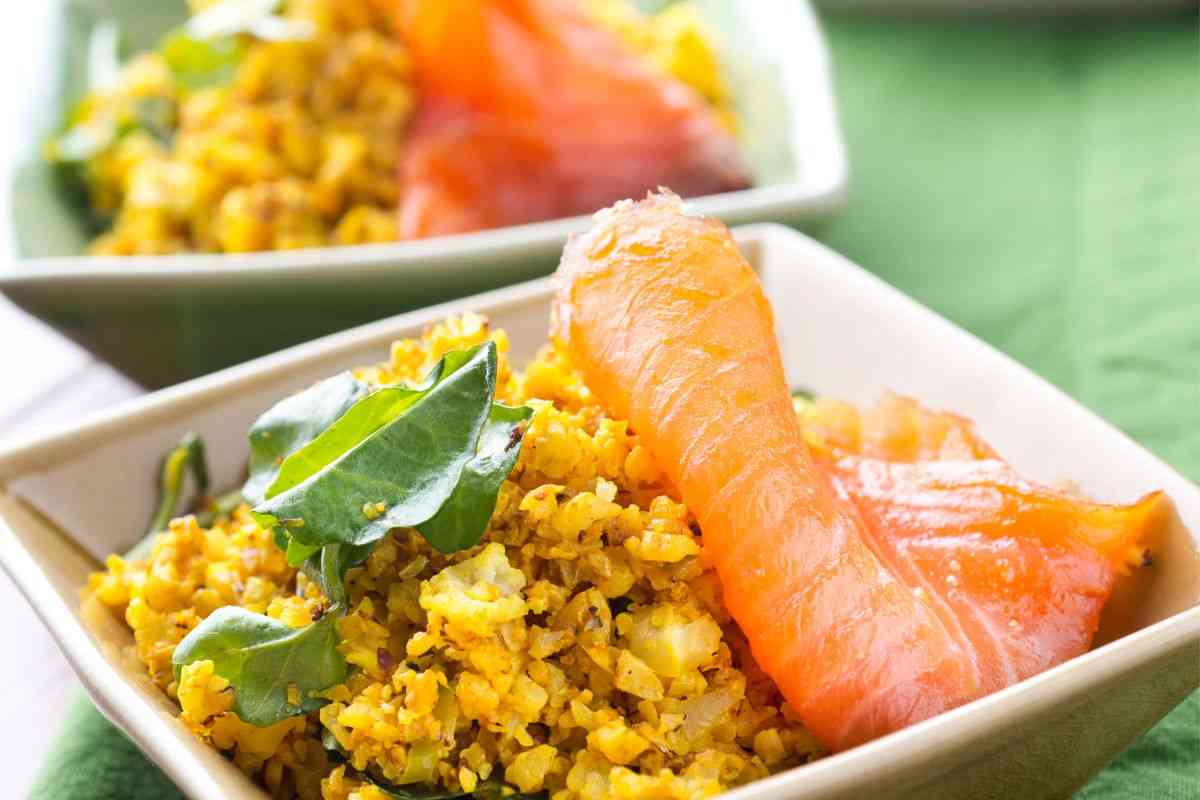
529 111
879 582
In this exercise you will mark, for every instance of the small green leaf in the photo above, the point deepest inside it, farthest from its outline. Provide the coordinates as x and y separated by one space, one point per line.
399 447
463 518
298 553
261 657
420 763
294 422
197 62
185 456
354 427
800 393
327 568
332 747
213 508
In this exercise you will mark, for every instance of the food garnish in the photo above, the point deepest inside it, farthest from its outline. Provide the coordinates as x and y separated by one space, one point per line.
433 454
264 659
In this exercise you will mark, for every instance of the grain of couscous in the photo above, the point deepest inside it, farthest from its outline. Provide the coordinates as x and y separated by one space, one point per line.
580 650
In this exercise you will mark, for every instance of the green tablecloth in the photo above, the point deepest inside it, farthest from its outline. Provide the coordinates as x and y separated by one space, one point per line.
1038 186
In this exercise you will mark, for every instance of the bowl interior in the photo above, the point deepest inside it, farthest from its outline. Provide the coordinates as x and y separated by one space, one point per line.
74 497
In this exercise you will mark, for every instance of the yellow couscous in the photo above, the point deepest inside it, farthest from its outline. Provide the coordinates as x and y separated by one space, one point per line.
581 649
299 144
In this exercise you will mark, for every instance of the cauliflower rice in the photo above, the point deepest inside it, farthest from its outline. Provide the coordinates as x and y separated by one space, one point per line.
580 650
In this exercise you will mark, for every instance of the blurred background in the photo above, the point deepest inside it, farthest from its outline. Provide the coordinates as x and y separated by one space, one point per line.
1029 169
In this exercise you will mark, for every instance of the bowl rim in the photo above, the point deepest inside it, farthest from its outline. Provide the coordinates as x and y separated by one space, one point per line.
124 704
818 190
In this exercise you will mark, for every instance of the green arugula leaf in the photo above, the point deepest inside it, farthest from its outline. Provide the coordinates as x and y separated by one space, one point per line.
294 422
327 568
298 553
391 461
186 456
197 62
261 657
463 518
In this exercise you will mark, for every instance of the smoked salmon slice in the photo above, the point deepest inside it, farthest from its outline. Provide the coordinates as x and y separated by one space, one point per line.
529 111
876 593
1021 571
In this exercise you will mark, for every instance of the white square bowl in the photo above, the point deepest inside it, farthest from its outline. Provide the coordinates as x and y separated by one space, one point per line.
163 319
68 499
1024 8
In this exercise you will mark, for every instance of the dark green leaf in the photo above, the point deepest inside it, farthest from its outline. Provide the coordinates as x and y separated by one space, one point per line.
327 568
399 447
330 743
213 508
802 393
294 422
186 456
196 63
463 518
298 553
261 657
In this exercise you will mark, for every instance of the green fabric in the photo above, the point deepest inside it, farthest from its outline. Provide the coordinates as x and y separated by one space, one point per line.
92 760
1041 188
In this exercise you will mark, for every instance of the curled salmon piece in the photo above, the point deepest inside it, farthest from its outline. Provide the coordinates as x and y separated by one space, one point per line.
819 564
935 474
529 111
1020 570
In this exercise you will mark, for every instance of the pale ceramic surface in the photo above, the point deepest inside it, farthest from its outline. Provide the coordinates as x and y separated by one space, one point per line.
68 498
163 319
